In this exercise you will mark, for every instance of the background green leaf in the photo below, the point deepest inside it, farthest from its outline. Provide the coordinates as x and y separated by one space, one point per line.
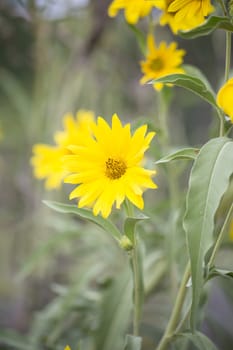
208 182
115 312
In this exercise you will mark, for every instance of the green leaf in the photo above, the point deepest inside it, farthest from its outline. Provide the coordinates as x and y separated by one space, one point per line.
184 153
208 181
196 72
129 226
106 224
192 83
220 273
200 340
212 23
132 342
115 313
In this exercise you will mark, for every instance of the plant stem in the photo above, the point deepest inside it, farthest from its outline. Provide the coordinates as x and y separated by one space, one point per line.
222 4
137 290
221 123
173 321
228 55
136 271
220 236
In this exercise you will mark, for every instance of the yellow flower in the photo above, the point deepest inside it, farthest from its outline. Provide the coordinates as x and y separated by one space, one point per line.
108 168
47 164
225 98
184 14
134 9
47 160
67 347
160 61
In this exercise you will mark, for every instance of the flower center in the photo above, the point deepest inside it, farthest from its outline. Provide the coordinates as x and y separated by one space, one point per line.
156 64
115 168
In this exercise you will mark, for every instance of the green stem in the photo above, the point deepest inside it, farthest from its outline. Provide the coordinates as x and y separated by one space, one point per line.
173 321
221 122
137 290
228 55
220 237
222 4
137 277
172 182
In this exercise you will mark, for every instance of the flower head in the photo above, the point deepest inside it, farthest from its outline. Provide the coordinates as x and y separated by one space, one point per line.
184 14
47 160
108 168
225 98
160 61
134 9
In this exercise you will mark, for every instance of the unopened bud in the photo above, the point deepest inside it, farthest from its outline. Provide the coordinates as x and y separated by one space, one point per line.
126 243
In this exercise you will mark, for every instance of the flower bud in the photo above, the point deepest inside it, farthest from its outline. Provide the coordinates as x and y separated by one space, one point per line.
126 243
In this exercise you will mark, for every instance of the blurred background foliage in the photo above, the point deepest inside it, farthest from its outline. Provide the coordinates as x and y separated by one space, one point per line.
65 281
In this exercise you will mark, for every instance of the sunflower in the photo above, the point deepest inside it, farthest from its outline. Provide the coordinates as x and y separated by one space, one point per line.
108 169
160 61
134 9
191 12
47 160
184 14
225 98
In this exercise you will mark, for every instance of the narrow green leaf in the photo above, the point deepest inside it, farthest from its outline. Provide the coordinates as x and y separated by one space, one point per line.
132 342
192 83
129 226
212 23
200 340
208 181
220 273
106 224
184 153
114 313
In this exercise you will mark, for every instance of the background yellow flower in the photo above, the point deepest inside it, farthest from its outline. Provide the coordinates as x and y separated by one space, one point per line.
191 12
133 9
108 168
47 160
225 98
160 61
184 14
